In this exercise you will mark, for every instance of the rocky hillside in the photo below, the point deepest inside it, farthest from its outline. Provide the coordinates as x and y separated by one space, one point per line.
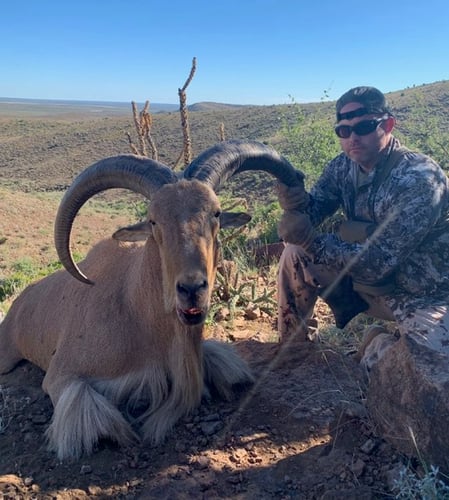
44 152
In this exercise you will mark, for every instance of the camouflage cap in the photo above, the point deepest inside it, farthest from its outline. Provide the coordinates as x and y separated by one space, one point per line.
372 99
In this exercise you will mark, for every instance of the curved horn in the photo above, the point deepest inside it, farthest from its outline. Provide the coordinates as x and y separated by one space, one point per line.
215 165
135 173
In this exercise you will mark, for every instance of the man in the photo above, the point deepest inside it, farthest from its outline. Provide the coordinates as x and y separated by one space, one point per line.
391 256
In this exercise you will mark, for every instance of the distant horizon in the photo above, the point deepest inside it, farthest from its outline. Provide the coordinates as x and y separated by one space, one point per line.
6 99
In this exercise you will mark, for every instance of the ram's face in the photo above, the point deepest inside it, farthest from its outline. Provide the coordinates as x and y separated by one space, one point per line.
185 220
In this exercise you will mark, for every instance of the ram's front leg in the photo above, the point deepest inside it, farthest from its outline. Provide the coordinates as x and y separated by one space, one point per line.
81 417
224 369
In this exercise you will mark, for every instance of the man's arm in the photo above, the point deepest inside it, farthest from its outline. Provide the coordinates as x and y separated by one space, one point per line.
410 207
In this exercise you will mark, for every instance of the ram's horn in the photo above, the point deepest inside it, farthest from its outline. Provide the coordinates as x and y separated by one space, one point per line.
135 173
220 162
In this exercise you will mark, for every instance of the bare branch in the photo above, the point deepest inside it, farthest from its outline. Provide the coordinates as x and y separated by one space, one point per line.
222 132
138 125
178 160
192 72
185 117
143 122
131 144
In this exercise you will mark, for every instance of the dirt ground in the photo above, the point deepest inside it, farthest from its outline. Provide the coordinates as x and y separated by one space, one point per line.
300 432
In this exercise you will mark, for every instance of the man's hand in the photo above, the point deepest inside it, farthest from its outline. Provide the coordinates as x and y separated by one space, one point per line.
293 197
296 227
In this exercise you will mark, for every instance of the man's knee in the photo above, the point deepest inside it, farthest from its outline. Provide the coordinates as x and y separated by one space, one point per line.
290 257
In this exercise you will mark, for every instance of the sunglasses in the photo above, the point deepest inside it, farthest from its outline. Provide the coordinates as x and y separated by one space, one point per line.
361 128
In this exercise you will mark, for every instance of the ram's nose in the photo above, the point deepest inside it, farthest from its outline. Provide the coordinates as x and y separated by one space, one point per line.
191 291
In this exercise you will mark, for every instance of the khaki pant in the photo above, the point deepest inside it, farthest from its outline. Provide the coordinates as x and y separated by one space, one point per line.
298 286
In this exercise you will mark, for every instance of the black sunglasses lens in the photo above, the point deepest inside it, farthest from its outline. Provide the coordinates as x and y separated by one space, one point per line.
365 127
361 128
343 131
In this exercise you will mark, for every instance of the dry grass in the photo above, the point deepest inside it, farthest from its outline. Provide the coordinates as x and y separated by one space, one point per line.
26 229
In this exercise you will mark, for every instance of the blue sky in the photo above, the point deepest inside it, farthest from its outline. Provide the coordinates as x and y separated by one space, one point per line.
248 51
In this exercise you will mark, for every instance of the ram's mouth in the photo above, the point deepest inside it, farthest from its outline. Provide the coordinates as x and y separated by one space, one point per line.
192 315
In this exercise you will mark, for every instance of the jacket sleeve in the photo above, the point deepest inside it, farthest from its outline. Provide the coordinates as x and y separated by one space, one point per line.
326 194
407 208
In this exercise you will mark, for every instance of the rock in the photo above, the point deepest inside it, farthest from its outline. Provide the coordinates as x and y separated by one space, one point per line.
368 446
222 314
408 398
358 467
201 462
85 469
252 312
209 428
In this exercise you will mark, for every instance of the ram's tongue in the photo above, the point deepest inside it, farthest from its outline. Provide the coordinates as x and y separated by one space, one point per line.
192 311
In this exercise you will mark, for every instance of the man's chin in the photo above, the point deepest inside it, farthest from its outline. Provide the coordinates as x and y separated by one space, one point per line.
357 155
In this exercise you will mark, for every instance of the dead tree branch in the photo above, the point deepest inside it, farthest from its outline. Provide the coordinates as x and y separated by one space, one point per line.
143 122
184 115
222 132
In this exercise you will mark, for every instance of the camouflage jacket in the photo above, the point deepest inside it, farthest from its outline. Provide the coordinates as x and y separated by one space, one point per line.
411 210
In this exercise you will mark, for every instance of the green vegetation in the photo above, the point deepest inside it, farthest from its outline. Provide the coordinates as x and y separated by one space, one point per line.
23 273
309 141
241 284
425 130
429 486
241 292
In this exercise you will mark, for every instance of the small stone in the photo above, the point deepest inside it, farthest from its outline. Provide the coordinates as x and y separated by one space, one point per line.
201 463
252 314
39 419
234 479
211 417
85 469
180 447
358 467
368 446
209 428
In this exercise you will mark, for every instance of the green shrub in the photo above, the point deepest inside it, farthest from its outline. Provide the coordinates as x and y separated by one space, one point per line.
264 221
424 130
23 273
309 142
429 487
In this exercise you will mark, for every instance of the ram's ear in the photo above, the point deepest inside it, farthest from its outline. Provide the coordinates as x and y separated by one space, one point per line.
233 219
137 232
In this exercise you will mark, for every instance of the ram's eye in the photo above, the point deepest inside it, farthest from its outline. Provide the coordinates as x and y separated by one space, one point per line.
152 222
217 214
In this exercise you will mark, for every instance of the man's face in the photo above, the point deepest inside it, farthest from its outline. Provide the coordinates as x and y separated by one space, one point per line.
365 149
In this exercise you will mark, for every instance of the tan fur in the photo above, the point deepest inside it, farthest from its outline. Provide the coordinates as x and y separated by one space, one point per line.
120 341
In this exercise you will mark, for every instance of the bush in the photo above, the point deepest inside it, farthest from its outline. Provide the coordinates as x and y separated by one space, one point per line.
23 273
309 142
428 487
